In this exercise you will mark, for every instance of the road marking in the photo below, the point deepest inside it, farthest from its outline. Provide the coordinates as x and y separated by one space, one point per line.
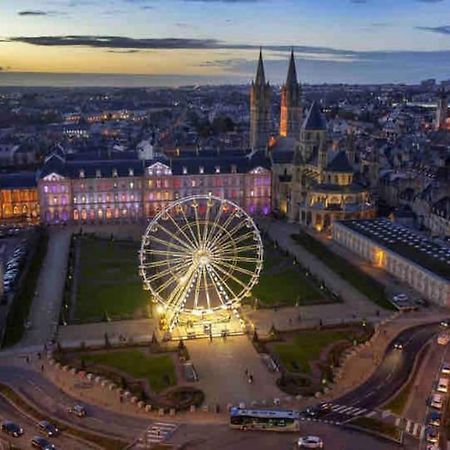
360 411
422 433
415 428
334 407
340 409
409 425
371 414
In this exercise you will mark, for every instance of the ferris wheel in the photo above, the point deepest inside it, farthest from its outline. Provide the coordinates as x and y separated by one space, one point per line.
200 255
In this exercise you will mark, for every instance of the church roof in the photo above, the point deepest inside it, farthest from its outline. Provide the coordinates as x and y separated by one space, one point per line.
315 119
340 163
291 79
260 75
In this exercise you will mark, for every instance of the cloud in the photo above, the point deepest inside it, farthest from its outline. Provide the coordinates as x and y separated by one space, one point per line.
430 1
443 29
33 13
124 51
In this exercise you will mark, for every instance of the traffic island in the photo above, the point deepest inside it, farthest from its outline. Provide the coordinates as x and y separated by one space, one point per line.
377 428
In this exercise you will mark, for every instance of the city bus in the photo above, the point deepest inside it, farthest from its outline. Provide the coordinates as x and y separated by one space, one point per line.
264 419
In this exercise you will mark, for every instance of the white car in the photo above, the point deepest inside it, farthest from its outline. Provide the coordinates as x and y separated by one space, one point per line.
310 442
436 401
445 369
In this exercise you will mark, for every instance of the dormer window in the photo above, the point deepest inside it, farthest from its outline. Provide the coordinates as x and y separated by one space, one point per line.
114 172
130 172
81 173
217 169
201 170
185 170
233 168
98 173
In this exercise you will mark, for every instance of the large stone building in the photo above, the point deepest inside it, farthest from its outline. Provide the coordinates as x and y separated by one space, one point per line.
126 190
411 257
442 121
19 201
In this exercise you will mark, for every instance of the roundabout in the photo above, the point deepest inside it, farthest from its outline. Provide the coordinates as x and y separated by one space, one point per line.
199 258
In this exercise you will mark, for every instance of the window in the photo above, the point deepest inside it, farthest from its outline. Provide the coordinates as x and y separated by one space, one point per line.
130 172
81 173
233 168
185 171
46 189
201 170
114 172
217 169
98 173
131 185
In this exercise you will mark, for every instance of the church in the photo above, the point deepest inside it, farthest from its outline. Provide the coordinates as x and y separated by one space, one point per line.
312 178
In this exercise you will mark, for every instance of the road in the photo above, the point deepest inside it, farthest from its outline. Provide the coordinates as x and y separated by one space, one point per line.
389 377
63 441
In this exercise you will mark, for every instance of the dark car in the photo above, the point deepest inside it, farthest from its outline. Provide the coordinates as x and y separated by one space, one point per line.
77 410
434 419
12 428
445 323
48 428
41 443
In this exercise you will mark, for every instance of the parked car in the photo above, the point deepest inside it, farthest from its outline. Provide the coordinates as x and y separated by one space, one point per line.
11 428
41 443
432 435
77 410
434 419
445 369
445 323
48 428
310 442
436 401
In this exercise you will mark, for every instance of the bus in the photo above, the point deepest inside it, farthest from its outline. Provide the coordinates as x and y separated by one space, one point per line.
264 419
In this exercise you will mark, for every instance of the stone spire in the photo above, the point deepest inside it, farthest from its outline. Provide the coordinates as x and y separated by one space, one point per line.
291 110
260 96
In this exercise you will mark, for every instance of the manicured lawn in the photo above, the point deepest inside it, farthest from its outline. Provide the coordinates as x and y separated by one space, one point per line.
306 347
359 279
282 283
108 280
159 370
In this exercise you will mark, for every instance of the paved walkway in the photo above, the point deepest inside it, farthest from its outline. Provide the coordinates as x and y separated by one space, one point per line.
355 303
45 309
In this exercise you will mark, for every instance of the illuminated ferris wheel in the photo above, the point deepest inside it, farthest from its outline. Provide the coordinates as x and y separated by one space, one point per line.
200 255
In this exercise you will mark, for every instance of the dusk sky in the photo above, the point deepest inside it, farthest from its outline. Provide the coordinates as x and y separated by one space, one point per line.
335 40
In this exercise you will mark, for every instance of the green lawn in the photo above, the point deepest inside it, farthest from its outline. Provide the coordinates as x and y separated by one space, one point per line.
306 347
359 279
108 281
158 370
282 283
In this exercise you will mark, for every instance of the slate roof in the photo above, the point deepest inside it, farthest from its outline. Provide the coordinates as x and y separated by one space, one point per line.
315 120
18 180
340 163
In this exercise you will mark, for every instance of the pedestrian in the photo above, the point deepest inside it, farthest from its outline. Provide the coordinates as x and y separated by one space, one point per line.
246 372
158 432
27 359
39 355
42 367
250 379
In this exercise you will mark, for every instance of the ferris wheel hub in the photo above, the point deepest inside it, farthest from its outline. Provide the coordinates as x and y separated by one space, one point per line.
202 257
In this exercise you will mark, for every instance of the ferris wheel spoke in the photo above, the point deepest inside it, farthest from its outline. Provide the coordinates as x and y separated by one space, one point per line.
223 283
239 259
160 262
178 294
167 252
170 270
191 243
220 295
236 268
229 234
233 242
221 231
166 244
228 274
205 282
215 224
235 251
198 283
177 238
197 225
188 224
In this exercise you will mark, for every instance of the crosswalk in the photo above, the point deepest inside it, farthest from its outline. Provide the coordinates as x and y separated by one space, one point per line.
156 433
412 428
349 410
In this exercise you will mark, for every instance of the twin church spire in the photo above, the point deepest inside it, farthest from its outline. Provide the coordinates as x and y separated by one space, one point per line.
260 101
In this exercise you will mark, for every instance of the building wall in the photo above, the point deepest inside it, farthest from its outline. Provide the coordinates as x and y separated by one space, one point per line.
428 284
19 205
133 198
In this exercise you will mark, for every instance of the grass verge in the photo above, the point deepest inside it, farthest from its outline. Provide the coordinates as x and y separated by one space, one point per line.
359 279
19 402
377 426
158 370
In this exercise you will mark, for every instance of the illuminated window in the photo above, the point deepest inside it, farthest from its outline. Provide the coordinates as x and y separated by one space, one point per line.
131 185
185 171
201 169
46 189
81 173
114 172
130 172
217 169
98 173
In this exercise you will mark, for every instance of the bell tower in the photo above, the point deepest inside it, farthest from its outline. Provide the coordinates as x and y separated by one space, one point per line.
260 96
